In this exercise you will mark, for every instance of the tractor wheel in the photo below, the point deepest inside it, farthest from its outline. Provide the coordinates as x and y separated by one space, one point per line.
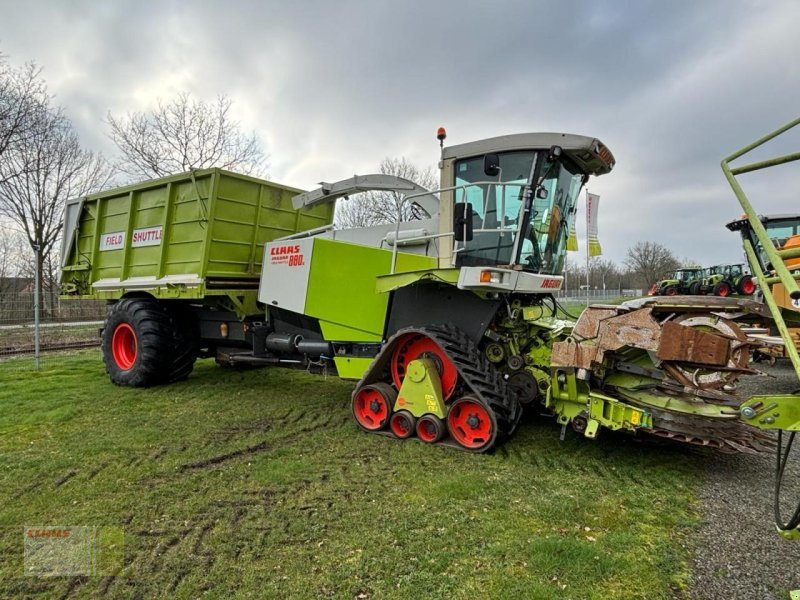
138 343
430 429
722 289
694 288
186 339
373 405
671 291
471 423
746 286
402 424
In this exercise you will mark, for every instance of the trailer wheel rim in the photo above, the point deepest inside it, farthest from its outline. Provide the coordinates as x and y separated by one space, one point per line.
748 287
371 409
429 429
124 346
414 346
470 424
402 424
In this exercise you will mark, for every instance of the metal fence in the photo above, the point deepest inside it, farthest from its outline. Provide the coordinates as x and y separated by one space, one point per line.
63 325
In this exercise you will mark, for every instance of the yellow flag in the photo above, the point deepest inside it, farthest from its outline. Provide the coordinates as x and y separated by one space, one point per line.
592 202
572 240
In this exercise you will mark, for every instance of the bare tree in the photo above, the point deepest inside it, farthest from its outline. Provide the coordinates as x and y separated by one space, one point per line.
648 261
23 106
184 134
50 167
376 208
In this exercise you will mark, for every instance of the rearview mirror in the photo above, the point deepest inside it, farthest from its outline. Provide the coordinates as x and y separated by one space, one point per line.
491 165
462 221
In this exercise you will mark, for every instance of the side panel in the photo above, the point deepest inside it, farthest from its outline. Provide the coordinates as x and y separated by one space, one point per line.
341 289
285 274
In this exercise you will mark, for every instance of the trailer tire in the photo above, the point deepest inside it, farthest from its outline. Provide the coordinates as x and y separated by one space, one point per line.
138 343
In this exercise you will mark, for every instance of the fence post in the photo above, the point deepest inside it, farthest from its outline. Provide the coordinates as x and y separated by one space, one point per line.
37 277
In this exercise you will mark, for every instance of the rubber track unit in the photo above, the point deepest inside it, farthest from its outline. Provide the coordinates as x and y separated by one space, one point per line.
474 370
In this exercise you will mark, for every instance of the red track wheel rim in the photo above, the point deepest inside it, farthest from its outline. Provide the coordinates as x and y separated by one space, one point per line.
430 429
416 345
402 424
124 346
471 424
372 408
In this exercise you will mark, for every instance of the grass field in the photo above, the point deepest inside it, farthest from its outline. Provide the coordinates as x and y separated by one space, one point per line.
258 484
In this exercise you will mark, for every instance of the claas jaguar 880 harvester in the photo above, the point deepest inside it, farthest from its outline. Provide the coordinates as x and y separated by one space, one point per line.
448 323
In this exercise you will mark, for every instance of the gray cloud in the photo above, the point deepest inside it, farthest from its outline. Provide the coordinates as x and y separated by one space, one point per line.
334 87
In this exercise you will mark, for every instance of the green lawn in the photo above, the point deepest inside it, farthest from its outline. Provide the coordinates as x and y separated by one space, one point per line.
258 484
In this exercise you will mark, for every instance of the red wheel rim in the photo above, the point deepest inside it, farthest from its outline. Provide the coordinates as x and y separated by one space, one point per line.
124 346
672 292
428 430
470 424
414 346
723 290
748 287
401 424
371 409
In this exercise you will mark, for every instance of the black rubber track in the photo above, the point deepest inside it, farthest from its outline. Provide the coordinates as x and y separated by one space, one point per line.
476 373
154 331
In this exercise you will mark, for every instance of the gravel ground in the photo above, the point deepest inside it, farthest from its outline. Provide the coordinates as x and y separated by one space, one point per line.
738 553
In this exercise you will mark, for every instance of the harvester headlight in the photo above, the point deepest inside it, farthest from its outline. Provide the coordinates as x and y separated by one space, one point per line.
490 277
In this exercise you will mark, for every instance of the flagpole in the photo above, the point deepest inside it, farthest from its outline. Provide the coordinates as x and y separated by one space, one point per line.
587 247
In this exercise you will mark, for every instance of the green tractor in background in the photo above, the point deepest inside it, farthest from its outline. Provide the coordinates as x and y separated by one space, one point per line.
678 282
725 280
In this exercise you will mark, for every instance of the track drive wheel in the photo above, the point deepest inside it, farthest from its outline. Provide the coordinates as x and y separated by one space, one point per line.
430 429
402 424
373 405
472 424
416 345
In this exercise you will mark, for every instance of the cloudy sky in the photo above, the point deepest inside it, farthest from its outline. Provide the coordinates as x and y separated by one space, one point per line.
331 88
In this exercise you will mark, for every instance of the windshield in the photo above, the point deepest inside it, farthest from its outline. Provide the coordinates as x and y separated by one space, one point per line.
497 204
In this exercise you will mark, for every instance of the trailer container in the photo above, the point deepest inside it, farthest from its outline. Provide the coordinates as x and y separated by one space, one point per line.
193 236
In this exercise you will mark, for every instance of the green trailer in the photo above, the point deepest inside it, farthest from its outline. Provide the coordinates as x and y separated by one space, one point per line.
184 251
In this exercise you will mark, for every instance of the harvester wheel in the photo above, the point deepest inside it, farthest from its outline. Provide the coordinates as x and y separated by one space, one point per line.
138 344
722 289
373 405
471 423
402 424
746 286
414 346
430 429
